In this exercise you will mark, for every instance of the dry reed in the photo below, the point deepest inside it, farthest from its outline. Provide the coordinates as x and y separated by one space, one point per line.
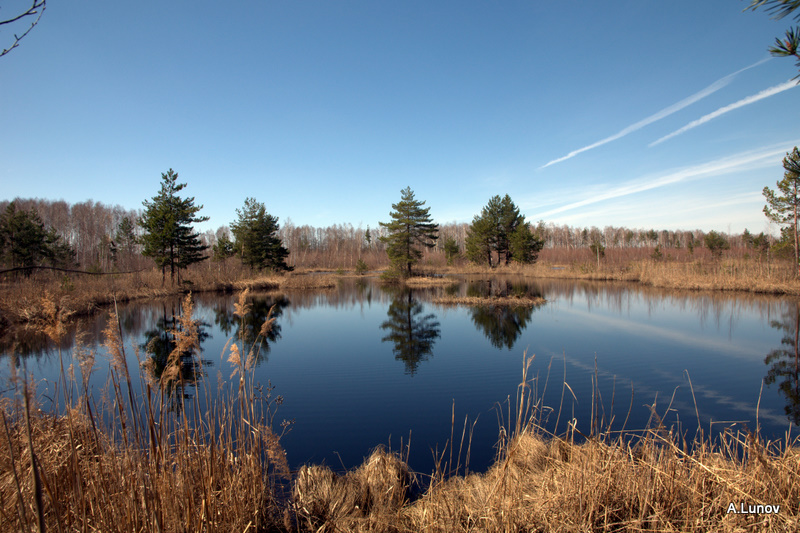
113 465
496 301
555 484
136 465
426 281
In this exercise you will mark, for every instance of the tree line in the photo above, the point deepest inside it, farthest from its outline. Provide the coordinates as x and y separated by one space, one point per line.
100 238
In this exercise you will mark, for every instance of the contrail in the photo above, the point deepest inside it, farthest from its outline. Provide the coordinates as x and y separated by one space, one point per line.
744 161
714 87
766 93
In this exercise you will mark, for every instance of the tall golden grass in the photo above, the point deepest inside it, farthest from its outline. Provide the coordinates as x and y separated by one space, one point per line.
125 461
22 300
540 482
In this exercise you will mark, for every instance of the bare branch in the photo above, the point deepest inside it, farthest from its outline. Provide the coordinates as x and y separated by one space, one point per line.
37 9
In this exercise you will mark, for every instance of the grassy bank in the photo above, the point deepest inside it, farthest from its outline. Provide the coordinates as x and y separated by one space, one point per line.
79 294
499 301
142 457
541 484
703 274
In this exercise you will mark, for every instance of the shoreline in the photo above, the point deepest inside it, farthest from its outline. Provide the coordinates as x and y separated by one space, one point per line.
538 482
21 301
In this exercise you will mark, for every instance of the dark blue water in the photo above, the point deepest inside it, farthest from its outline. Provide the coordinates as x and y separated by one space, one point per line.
362 365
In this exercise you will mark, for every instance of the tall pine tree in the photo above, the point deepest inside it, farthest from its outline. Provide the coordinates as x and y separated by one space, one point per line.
500 228
411 226
257 240
169 237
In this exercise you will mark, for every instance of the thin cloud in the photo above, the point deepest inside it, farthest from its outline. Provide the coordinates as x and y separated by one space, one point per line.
745 161
714 87
766 93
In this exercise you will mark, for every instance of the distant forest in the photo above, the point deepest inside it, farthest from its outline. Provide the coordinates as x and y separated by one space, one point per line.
105 238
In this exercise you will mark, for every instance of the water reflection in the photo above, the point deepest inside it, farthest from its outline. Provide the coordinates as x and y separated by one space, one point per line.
785 362
412 334
160 341
247 329
502 325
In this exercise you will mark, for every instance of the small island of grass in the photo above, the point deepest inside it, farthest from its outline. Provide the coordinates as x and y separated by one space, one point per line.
497 301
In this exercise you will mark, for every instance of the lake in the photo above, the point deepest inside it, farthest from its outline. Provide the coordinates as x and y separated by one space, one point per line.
362 364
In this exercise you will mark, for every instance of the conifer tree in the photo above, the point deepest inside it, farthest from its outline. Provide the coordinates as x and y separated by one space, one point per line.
451 250
480 241
411 226
257 240
500 228
783 208
23 237
169 237
26 242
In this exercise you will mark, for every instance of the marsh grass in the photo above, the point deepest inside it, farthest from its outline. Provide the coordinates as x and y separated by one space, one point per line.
124 460
494 301
693 272
684 271
127 462
22 302
429 281
650 480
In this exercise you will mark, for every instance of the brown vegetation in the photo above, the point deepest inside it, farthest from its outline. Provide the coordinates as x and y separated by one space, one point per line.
21 301
426 281
130 463
488 300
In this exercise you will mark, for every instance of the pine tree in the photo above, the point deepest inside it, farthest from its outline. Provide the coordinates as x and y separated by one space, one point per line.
500 228
480 240
168 236
223 248
26 242
451 250
257 240
525 245
23 238
716 243
783 208
411 225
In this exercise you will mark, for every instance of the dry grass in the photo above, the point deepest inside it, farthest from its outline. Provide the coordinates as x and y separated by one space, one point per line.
698 272
497 301
650 483
653 485
139 465
426 281
308 282
127 462
368 498
22 301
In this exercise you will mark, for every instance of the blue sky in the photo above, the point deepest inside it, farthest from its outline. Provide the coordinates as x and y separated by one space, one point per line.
639 113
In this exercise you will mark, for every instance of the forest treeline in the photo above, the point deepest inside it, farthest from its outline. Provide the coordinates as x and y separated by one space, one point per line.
104 238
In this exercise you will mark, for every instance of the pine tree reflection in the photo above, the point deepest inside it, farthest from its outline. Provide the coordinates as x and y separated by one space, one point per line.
785 361
159 344
247 329
502 324
413 335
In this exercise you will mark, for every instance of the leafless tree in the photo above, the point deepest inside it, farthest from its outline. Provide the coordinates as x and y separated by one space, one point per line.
32 15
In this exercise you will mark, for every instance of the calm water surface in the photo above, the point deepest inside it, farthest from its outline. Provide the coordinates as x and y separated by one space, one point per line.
362 365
